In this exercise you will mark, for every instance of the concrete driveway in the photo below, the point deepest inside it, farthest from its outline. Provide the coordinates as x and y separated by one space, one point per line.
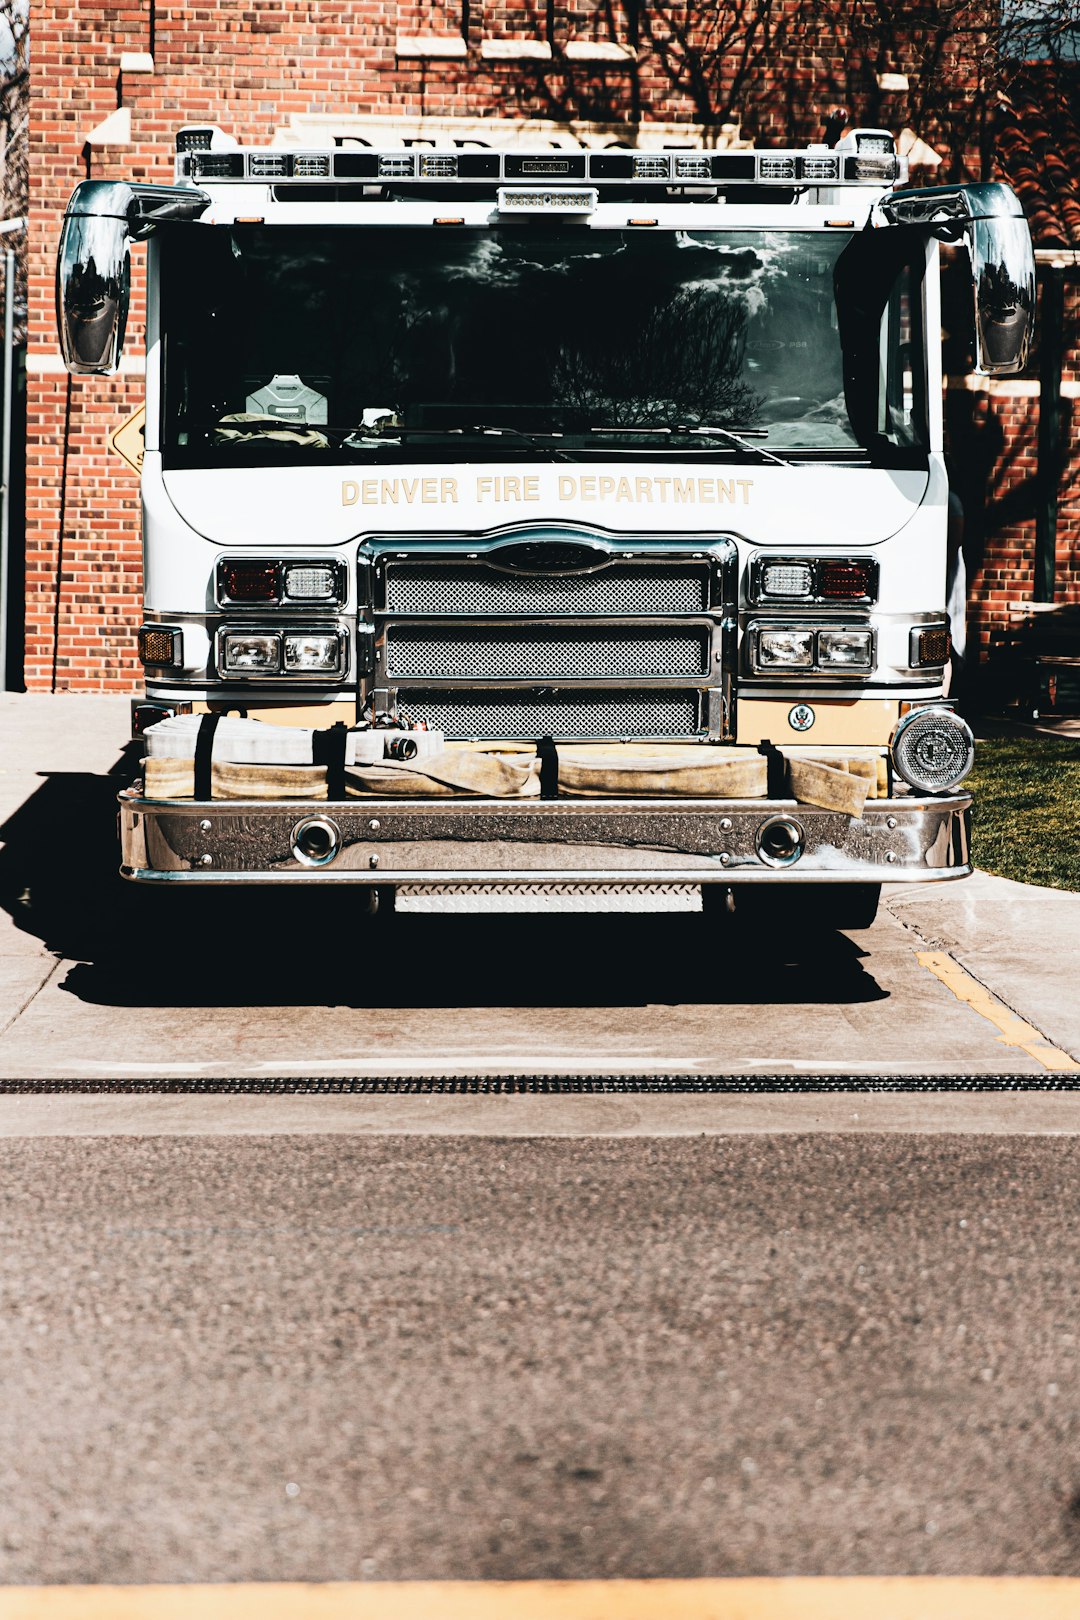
97 981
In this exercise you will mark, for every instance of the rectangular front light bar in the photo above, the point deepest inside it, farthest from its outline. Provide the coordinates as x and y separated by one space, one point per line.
297 652
824 649
871 163
852 580
262 582
546 200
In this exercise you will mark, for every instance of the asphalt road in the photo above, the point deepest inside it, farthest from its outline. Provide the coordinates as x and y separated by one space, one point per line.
336 1357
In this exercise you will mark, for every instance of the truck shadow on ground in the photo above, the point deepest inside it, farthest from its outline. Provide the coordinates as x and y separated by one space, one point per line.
130 947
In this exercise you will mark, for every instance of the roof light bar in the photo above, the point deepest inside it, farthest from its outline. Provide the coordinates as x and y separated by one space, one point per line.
871 162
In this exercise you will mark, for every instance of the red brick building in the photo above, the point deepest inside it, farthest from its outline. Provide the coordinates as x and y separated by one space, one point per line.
112 82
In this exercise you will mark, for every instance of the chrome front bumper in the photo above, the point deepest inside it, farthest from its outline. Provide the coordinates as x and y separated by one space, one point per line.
541 841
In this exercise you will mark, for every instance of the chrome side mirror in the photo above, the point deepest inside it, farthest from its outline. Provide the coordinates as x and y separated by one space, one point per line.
1003 271
93 282
989 220
93 266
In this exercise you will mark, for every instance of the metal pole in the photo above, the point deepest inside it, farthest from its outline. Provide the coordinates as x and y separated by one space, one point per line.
1048 478
5 458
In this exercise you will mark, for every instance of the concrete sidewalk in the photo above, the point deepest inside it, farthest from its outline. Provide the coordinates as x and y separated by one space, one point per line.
92 981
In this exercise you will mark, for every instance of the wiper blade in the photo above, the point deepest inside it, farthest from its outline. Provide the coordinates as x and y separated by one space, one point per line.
535 441
701 430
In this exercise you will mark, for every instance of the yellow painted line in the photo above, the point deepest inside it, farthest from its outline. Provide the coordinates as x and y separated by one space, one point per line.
876 1598
1014 1031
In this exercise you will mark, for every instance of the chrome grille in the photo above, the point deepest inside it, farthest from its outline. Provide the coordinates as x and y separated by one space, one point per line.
434 589
565 716
592 652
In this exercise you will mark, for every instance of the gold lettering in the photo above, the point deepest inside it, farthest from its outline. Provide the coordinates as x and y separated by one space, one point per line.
483 487
389 490
606 487
662 485
624 492
588 487
350 492
644 488
409 487
448 489
429 486
511 488
725 489
532 487
706 489
746 485
370 492
567 487
684 490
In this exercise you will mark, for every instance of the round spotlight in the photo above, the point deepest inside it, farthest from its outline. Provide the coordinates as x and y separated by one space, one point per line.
933 750
780 841
315 841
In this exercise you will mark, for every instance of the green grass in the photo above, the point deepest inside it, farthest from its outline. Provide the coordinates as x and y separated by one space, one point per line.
1027 809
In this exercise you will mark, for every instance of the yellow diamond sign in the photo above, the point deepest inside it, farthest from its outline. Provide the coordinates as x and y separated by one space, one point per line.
129 439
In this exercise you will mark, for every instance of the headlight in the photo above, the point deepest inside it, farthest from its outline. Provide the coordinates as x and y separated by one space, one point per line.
785 649
933 750
246 654
297 653
845 649
313 654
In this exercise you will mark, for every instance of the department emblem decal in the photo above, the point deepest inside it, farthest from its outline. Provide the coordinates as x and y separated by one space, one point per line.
801 717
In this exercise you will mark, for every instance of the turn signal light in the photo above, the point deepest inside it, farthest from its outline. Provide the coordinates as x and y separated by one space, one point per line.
158 647
930 646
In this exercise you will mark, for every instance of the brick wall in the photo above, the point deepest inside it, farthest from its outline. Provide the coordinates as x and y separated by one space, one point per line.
251 68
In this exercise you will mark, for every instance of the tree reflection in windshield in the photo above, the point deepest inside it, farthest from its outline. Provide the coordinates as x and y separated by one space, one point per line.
541 329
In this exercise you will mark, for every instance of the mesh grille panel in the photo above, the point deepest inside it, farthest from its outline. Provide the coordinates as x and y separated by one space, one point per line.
539 654
565 716
429 589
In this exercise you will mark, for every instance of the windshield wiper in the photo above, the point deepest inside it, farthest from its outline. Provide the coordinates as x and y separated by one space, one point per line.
702 430
535 441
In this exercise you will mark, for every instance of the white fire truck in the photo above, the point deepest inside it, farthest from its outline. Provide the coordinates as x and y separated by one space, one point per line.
530 522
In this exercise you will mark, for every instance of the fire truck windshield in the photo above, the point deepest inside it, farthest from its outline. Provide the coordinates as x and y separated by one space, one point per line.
284 345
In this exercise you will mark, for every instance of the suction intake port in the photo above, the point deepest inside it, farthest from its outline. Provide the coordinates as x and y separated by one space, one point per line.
780 841
315 841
